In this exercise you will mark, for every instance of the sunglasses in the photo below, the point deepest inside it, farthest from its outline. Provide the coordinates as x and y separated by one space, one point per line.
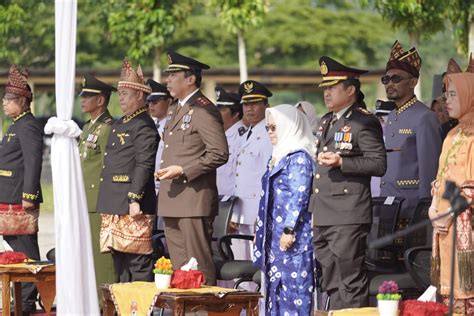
270 128
394 78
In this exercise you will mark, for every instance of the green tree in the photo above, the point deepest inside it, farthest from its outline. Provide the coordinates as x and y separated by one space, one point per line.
144 26
239 16
27 33
461 15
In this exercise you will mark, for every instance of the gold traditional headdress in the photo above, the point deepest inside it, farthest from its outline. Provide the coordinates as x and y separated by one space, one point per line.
18 82
132 79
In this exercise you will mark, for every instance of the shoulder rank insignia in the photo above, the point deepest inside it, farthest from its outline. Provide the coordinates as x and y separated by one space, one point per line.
362 110
108 120
203 101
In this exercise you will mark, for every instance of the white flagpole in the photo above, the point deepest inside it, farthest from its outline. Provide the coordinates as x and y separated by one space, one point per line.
76 292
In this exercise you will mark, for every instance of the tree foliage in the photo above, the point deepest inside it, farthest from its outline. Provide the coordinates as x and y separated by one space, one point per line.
27 33
240 15
418 18
144 25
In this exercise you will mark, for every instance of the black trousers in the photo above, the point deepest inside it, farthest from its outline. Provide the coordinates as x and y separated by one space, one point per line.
131 267
28 244
340 250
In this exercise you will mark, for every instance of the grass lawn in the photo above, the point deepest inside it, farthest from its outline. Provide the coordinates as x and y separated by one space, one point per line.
47 205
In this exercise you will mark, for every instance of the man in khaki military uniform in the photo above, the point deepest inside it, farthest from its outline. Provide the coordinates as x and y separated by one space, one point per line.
95 96
195 146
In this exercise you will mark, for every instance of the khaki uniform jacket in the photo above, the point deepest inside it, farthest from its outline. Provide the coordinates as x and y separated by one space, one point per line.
194 139
129 164
21 158
92 144
341 195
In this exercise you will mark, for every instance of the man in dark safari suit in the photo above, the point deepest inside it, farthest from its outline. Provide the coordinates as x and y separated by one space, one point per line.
195 146
21 157
127 197
95 96
350 150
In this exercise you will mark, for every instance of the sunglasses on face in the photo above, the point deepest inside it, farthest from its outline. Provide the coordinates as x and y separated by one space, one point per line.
270 128
394 78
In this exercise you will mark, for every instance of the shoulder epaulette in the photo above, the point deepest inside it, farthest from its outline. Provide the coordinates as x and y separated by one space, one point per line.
202 101
364 111
108 120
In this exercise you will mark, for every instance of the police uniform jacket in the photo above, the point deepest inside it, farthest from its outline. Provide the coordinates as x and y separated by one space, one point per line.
92 144
415 131
129 163
21 158
342 195
252 161
194 139
226 173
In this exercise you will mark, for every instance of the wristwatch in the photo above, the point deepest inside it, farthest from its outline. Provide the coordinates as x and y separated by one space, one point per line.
288 231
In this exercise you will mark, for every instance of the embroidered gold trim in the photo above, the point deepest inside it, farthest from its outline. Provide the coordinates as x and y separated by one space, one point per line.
6 173
127 118
121 178
30 196
19 116
135 196
408 182
407 105
406 131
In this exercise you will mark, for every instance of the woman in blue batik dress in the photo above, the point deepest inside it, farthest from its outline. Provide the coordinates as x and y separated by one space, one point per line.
283 236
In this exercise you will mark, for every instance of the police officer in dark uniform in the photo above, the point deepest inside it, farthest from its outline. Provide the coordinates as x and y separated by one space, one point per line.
95 96
350 149
127 197
21 157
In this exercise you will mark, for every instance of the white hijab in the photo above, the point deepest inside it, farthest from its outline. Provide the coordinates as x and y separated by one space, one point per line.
310 112
293 131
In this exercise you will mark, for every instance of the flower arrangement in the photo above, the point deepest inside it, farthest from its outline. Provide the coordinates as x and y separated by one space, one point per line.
388 291
163 266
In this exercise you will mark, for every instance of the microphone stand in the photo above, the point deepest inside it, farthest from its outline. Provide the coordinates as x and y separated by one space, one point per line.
458 205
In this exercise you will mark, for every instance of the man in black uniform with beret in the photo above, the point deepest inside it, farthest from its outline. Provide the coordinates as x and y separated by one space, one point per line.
350 149
21 157
127 197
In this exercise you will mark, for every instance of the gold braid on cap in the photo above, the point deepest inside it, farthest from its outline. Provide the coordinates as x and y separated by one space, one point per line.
18 82
132 79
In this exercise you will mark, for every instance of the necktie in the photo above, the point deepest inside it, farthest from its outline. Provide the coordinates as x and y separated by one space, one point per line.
333 121
249 133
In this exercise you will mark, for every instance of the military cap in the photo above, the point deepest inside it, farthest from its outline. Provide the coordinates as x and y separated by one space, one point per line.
334 72
93 86
409 61
382 108
17 82
225 98
158 91
178 62
253 91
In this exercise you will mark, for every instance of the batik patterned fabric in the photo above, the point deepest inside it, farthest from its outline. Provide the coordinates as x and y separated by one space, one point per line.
288 275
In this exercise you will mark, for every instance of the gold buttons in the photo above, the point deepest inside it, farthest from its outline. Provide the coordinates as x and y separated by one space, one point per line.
103 167
325 148
166 146
184 181
113 144
105 154
170 133
113 131
101 179
83 141
345 191
92 186
317 176
316 190
161 161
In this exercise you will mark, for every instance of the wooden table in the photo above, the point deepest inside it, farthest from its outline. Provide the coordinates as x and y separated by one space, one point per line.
180 303
45 280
